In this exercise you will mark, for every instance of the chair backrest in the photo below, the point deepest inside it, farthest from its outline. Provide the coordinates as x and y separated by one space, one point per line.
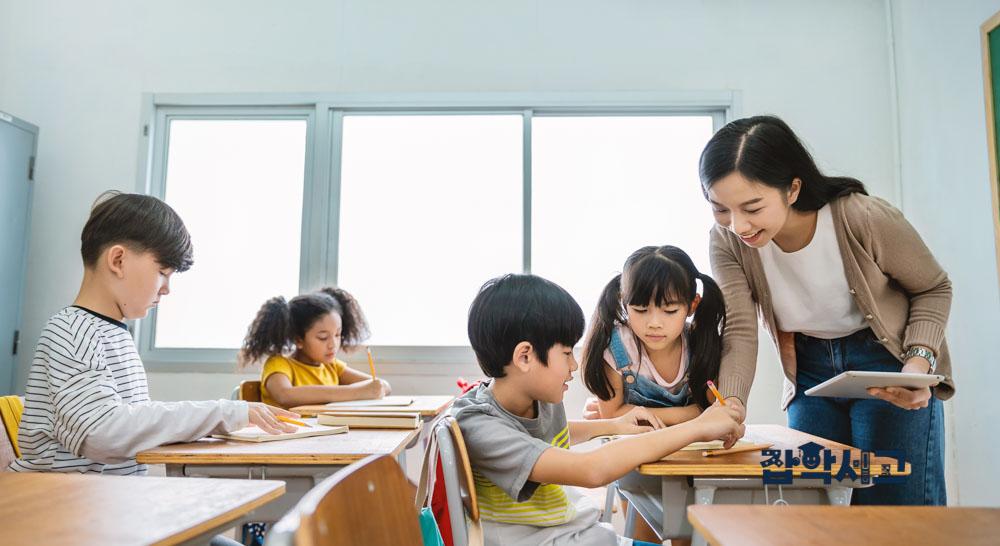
250 391
11 409
367 503
460 487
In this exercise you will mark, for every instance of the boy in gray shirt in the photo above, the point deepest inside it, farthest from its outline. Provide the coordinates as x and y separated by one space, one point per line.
523 329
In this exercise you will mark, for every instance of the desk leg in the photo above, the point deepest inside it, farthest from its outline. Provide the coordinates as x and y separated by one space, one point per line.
839 495
704 494
677 495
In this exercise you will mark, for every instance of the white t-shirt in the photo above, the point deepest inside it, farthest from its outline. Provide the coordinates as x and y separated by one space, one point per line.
809 290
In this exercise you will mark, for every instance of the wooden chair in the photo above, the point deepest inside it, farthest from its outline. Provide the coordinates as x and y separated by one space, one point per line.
459 486
250 391
368 503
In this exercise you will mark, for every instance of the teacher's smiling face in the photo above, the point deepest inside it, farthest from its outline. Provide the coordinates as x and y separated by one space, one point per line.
755 212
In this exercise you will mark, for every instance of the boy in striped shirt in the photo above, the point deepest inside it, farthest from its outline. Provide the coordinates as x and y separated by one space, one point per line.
523 329
87 406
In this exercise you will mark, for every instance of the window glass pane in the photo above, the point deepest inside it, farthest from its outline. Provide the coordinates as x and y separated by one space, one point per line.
238 186
430 210
603 187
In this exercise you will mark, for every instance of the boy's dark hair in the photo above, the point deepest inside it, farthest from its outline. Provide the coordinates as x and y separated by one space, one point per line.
141 222
515 308
661 275
279 323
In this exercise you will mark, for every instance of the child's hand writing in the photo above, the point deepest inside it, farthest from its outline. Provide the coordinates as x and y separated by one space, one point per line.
372 389
630 423
265 418
720 423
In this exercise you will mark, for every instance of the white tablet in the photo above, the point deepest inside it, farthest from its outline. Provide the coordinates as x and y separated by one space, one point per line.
856 384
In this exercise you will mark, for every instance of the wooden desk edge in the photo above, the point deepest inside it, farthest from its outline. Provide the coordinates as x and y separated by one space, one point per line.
222 519
700 528
147 457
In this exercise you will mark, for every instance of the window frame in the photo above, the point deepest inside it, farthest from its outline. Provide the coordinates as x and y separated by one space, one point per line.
324 115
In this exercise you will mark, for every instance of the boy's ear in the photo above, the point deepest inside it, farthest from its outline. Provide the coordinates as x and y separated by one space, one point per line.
115 258
523 352
694 304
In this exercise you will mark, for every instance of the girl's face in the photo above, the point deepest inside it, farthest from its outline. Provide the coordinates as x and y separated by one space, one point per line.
658 326
755 212
322 339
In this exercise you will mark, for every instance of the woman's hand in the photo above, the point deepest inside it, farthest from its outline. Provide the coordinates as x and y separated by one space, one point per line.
630 422
720 422
265 418
908 399
592 408
386 387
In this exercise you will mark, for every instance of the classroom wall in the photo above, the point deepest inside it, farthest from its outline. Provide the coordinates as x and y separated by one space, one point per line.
77 70
946 195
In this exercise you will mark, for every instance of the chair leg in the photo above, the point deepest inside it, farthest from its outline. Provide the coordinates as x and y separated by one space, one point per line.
630 521
609 502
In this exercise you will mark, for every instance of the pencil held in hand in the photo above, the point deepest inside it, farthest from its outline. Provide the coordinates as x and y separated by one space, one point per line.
292 421
371 363
715 391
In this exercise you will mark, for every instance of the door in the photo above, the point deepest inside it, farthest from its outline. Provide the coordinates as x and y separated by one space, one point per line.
17 150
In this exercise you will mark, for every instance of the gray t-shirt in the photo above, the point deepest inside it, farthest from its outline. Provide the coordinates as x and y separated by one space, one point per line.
503 449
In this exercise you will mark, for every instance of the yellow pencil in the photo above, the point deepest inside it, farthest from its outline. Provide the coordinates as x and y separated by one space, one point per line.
292 421
716 392
371 363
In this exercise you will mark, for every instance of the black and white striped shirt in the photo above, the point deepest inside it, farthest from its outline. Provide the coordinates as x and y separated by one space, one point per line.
87 406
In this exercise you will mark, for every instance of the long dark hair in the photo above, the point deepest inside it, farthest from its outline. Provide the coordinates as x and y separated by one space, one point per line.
764 149
659 274
279 324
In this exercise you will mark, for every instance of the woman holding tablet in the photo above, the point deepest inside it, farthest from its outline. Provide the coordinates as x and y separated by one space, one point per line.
842 282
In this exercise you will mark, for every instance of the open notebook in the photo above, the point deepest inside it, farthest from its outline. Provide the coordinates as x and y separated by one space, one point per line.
400 401
255 434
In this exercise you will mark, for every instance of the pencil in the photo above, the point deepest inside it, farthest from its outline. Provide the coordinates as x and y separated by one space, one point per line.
740 449
292 421
371 363
716 392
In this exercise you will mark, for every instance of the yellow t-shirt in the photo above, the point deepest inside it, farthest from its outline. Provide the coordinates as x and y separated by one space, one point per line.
299 374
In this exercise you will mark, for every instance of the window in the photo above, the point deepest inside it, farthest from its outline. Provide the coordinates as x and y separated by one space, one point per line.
431 209
411 208
238 184
604 186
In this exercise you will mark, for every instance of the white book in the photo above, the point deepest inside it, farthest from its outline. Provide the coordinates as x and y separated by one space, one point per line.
400 401
255 434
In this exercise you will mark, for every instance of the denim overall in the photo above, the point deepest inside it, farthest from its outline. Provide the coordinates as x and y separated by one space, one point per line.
640 390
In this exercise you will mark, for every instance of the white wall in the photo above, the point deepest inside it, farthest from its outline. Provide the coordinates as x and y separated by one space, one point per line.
946 195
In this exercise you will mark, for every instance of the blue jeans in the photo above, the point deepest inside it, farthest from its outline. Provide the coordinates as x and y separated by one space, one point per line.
870 424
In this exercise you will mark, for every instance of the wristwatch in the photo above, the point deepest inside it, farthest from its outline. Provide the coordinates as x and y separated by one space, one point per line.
924 353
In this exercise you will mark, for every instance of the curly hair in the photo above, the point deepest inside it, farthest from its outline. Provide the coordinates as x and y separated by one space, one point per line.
280 323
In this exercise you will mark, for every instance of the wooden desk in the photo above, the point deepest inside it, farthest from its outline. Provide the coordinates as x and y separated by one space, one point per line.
301 463
428 406
689 478
837 525
70 509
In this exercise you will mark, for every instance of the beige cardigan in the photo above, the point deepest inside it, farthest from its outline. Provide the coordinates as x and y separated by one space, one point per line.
896 282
